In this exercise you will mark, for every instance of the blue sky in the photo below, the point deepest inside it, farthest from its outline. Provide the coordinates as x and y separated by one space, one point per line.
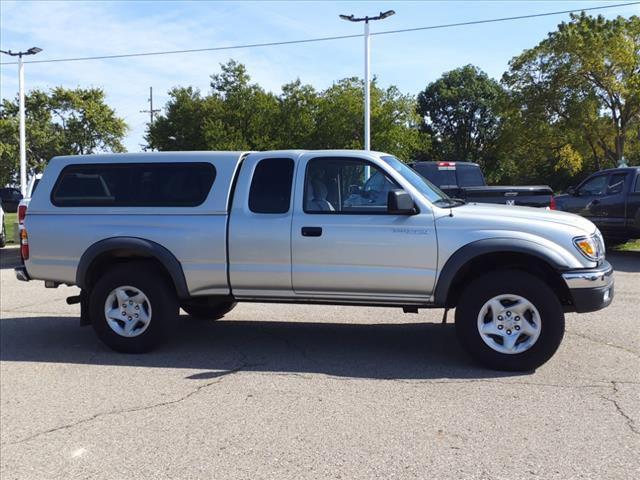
408 60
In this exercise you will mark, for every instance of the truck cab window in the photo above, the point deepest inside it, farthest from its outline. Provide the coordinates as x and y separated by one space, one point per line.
271 186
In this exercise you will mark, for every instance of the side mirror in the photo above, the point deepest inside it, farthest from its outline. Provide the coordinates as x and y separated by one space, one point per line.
571 191
400 202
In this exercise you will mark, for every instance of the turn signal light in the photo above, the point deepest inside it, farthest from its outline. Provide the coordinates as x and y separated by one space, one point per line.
589 247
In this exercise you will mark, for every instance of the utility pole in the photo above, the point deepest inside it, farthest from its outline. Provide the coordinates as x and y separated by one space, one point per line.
21 114
367 71
151 111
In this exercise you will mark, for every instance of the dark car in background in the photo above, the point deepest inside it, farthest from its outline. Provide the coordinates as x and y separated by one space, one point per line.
610 199
10 198
465 180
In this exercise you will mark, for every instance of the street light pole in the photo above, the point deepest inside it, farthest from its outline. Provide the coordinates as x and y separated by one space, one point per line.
367 87
23 135
367 70
21 115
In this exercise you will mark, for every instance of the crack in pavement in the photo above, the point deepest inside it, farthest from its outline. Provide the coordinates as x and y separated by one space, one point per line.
600 342
96 416
628 420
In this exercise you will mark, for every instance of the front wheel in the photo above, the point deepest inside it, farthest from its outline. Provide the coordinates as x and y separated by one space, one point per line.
510 320
3 237
131 307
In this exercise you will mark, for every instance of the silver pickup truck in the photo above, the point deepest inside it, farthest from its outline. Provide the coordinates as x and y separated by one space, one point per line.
145 234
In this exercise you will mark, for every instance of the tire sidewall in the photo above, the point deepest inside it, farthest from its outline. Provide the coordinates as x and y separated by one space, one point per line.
517 283
159 294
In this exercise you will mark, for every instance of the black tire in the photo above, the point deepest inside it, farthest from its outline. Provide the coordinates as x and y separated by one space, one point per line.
206 308
3 237
162 300
511 282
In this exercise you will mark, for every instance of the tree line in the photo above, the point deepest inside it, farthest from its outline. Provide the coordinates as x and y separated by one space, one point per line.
563 109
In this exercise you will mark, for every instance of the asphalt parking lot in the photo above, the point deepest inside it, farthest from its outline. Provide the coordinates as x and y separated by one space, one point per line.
293 392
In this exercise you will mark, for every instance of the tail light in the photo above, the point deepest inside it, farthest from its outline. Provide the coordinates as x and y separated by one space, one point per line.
446 165
22 212
552 203
24 244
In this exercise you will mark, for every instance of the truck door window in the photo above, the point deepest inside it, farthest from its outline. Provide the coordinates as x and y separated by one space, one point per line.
593 186
270 190
616 183
342 186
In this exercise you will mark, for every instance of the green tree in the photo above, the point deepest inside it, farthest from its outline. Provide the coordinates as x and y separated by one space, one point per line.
235 115
181 127
461 113
297 114
394 122
583 81
58 122
240 115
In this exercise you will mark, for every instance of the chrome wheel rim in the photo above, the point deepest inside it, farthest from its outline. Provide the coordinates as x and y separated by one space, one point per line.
127 311
509 324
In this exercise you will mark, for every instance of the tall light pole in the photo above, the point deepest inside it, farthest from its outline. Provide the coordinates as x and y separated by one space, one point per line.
367 71
23 145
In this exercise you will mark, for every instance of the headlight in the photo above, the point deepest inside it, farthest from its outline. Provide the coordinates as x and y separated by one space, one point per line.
591 247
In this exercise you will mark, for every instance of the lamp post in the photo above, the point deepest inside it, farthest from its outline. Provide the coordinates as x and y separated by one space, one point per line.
23 146
367 72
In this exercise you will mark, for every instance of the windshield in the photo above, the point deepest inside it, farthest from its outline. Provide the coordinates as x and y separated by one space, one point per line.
424 186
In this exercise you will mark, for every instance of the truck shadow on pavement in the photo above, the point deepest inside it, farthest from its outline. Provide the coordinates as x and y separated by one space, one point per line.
379 351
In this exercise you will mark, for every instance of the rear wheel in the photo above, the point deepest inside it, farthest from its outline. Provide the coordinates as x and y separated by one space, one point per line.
3 236
131 307
510 320
207 308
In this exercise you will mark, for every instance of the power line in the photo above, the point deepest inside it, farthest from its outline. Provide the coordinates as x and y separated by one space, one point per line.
504 19
325 39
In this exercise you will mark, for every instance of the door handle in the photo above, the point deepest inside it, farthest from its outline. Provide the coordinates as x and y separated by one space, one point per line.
311 231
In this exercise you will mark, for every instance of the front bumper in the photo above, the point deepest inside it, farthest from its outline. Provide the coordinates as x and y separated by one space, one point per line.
590 289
